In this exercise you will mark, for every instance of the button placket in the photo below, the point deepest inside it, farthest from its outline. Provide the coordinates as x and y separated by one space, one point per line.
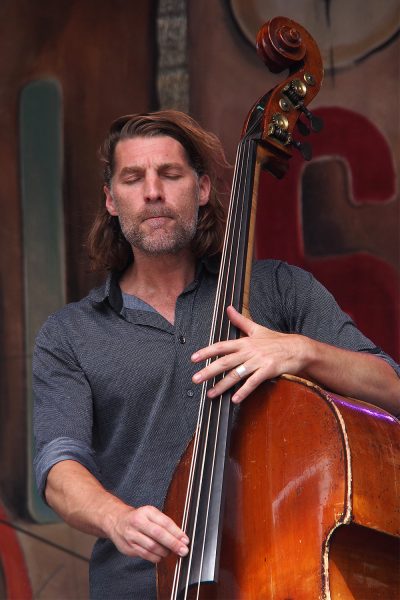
184 341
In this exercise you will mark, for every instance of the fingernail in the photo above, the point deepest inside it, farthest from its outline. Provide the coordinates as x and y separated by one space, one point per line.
195 356
196 378
183 550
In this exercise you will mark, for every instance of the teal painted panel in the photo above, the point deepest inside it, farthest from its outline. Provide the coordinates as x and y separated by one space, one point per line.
41 168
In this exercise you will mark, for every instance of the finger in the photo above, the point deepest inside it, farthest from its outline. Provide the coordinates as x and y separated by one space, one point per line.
217 349
232 377
146 547
171 537
253 378
247 388
135 550
163 530
132 542
159 518
243 323
224 364
227 346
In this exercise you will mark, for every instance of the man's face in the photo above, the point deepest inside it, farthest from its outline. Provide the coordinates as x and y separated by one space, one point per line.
156 194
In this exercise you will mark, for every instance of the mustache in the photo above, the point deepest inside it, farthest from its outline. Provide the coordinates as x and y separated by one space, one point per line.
150 213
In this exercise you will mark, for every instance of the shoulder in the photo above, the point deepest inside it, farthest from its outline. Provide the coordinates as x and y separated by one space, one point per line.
283 295
277 289
278 267
280 275
74 315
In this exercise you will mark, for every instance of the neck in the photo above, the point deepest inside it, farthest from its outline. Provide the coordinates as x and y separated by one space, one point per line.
164 276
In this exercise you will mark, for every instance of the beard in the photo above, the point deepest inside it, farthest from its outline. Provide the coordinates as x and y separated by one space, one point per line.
159 239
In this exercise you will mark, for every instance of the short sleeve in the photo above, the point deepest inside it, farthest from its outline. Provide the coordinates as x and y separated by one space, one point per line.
300 304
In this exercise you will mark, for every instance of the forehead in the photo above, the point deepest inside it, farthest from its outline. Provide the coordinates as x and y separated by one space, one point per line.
149 151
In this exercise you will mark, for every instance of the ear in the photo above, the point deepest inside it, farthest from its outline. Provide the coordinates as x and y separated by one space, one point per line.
204 189
110 204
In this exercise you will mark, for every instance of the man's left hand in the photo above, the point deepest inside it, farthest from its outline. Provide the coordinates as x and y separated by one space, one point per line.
259 355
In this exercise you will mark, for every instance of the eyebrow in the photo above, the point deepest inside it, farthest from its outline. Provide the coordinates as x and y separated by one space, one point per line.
133 169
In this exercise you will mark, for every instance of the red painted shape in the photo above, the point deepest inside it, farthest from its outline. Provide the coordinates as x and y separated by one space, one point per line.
352 136
16 576
365 286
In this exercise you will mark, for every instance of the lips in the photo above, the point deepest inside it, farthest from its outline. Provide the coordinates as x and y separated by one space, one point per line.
157 217
156 221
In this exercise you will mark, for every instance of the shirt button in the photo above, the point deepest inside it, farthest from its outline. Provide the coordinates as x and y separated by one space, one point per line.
190 393
182 339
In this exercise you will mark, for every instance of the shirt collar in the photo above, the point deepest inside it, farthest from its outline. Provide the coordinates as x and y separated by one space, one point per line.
111 291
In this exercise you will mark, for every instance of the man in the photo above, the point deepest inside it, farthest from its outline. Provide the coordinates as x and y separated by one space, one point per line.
115 374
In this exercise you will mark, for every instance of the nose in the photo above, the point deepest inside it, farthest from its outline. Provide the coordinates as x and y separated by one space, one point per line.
153 189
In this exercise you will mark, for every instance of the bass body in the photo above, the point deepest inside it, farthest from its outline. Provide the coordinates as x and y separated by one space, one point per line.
312 486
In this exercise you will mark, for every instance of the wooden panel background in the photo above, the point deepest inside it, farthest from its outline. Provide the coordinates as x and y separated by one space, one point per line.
103 55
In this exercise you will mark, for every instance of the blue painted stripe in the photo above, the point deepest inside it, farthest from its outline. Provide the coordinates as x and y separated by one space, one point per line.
41 168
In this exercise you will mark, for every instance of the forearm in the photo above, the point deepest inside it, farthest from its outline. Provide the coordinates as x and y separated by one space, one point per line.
82 502
355 374
264 354
80 499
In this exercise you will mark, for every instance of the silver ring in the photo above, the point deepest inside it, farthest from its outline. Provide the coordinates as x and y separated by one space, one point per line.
240 371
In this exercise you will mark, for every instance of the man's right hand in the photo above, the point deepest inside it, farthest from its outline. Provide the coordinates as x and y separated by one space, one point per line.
80 499
148 533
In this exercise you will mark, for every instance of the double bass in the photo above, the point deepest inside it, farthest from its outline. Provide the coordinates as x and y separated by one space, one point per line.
293 494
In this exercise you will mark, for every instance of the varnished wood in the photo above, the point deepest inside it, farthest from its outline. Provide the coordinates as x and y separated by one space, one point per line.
295 484
246 291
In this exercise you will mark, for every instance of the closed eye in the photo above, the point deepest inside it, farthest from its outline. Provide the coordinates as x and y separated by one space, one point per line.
170 173
131 180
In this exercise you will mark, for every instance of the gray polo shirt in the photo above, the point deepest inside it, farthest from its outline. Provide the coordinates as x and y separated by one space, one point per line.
113 388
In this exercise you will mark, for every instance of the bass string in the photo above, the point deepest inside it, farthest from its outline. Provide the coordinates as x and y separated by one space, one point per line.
235 223
212 337
201 417
233 261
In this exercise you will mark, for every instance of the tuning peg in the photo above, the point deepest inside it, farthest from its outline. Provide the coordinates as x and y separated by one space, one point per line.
315 122
303 147
302 127
286 138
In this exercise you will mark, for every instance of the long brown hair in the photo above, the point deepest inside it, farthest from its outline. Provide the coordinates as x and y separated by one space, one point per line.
107 247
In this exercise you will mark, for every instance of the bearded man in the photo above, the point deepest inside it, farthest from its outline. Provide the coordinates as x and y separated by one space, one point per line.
116 375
